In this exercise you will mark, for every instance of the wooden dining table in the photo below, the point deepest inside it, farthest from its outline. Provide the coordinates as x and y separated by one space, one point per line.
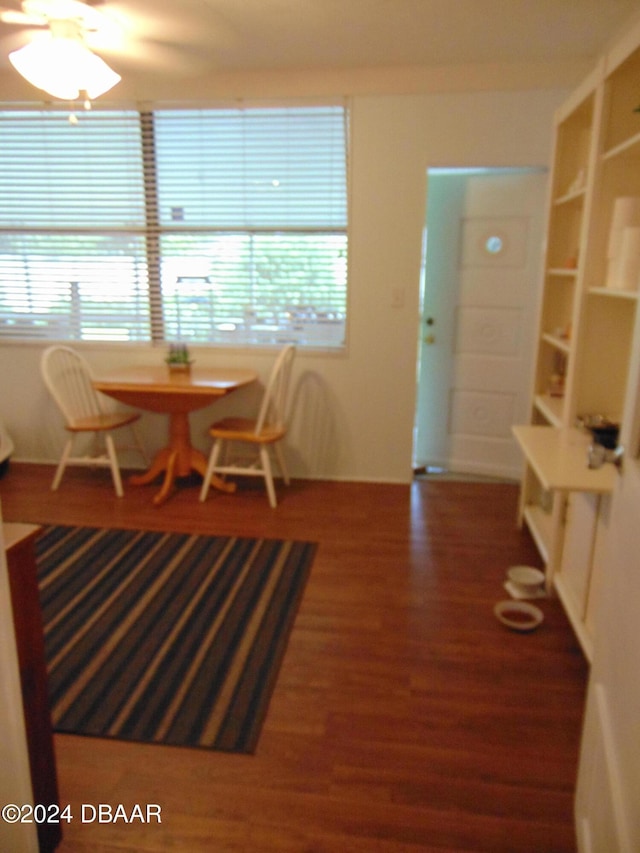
156 388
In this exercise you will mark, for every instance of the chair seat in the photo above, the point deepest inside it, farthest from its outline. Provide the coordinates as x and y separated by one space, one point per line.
106 421
263 434
67 376
244 429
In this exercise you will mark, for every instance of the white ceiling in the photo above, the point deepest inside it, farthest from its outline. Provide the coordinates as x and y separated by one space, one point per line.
233 35
276 34
195 38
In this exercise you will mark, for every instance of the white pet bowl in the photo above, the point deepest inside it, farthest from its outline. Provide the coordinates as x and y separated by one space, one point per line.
518 615
526 578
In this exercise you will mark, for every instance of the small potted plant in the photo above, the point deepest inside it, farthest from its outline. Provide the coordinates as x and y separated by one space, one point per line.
178 358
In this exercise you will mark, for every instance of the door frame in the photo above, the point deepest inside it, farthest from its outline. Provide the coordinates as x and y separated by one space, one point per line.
440 461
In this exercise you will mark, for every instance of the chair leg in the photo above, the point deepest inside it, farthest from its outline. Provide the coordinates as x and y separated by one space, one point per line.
283 467
66 453
115 470
213 461
268 476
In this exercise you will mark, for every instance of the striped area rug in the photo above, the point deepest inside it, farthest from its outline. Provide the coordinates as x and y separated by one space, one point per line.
166 637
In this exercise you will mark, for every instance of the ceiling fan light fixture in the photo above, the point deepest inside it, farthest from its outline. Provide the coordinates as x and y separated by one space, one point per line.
64 68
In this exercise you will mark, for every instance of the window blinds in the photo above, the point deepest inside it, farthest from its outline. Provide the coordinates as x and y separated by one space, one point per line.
204 226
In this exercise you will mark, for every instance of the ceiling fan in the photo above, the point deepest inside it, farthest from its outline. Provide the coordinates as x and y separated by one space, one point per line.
83 19
59 59
123 32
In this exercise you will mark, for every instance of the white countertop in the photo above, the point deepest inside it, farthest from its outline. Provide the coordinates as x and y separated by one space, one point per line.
559 458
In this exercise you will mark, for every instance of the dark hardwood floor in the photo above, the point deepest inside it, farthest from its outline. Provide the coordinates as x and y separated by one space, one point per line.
405 717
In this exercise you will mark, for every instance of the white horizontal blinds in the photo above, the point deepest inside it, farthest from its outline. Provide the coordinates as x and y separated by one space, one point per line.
55 173
252 168
207 226
72 227
252 214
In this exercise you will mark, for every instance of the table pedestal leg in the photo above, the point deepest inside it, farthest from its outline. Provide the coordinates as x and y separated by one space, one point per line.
178 459
156 468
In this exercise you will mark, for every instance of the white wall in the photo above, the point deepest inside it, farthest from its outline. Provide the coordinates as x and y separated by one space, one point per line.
355 415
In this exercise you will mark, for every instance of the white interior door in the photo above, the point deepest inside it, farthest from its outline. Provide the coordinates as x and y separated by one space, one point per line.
608 790
482 267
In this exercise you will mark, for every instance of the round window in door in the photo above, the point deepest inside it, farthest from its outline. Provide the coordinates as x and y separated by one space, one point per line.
494 245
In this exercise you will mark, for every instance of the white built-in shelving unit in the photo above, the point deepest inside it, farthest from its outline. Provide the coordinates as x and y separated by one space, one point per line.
586 326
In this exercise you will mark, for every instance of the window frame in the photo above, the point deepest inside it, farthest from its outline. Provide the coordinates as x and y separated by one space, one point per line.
153 232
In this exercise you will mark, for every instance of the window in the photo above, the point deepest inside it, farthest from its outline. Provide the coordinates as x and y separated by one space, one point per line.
204 226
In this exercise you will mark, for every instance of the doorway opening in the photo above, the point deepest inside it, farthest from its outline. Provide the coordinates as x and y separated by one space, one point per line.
482 251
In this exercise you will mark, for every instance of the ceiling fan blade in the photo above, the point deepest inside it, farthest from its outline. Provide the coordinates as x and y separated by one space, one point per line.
192 23
152 55
10 16
61 10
